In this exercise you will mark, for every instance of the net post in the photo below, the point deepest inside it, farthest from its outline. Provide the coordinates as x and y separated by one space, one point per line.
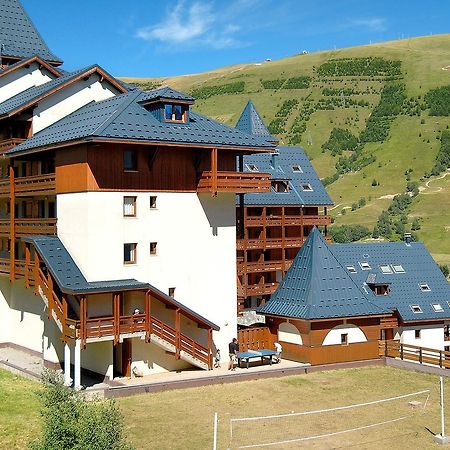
215 432
442 438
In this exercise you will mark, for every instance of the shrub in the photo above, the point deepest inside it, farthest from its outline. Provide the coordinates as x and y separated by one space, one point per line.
208 91
339 141
415 225
444 269
438 100
272 84
301 82
72 422
443 157
348 233
360 67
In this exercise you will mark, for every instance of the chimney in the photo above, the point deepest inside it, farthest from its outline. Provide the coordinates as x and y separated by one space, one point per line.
274 160
407 238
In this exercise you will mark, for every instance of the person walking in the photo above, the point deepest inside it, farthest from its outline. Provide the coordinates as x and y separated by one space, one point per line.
233 348
278 349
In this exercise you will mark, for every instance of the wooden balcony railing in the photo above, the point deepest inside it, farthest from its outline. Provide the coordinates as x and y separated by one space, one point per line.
262 266
260 289
8 144
271 221
26 186
20 268
249 244
28 227
238 182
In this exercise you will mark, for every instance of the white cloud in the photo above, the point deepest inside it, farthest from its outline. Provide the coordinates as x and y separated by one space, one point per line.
197 24
370 23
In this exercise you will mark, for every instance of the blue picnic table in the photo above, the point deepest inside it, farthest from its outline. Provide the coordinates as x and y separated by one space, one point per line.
251 354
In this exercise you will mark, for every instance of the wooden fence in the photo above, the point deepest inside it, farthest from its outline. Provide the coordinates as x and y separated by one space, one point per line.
255 339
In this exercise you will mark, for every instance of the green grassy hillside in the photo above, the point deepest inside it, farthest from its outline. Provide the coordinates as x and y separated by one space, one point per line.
305 97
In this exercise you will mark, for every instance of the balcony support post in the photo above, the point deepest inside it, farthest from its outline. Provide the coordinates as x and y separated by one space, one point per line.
67 379
77 364
177 333
12 236
27 266
116 312
148 323
214 172
50 295
36 274
210 354
83 319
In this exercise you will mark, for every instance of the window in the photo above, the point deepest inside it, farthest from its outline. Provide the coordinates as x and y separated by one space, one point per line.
351 269
153 202
424 287
417 334
416 309
129 253
174 113
398 268
172 292
280 186
344 338
129 206
306 187
153 248
296 168
365 265
129 160
437 307
447 332
251 167
385 268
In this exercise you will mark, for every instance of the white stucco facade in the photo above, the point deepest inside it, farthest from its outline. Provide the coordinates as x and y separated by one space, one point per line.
196 247
354 334
20 80
289 333
428 336
69 99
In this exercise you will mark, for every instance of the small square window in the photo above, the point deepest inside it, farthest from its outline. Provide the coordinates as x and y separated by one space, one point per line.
385 268
351 269
129 206
398 268
172 292
129 253
424 287
153 248
437 307
174 113
416 309
365 265
252 167
306 187
344 338
417 334
130 160
297 169
153 202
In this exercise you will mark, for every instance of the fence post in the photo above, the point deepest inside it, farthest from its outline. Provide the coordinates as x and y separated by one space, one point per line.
420 355
440 359
401 351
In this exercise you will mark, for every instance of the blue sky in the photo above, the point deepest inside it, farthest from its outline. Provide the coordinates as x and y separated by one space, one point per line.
149 38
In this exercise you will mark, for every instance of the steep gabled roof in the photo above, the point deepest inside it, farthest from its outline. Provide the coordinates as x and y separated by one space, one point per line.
318 287
124 118
19 38
250 122
27 62
282 167
34 94
404 290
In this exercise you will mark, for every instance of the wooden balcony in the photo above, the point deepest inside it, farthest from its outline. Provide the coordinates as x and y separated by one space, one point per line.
262 266
298 220
237 182
28 227
253 244
8 144
19 271
260 289
29 186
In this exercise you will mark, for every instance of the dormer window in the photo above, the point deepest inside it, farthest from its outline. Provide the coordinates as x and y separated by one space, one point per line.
174 113
252 167
280 186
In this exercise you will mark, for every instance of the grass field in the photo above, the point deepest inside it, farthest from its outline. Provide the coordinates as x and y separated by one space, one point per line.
412 143
183 419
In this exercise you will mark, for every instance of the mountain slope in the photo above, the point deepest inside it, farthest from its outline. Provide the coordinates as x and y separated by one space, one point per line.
305 97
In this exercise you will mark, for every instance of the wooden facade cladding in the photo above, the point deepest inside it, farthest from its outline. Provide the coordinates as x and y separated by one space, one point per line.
8 144
96 167
268 239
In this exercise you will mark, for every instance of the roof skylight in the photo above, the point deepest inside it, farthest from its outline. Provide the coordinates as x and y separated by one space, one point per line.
424 287
252 167
306 187
365 265
297 168
437 307
385 268
416 309
398 268
351 269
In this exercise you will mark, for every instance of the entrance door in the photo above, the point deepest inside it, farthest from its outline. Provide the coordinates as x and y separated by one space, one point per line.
126 358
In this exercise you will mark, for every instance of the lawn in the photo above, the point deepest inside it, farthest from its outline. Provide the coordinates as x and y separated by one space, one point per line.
183 419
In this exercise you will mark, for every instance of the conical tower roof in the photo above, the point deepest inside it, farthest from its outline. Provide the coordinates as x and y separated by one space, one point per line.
19 38
317 286
250 122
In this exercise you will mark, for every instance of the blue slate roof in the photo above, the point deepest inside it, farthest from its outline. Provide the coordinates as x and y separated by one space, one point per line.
166 93
70 279
250 122
281 167
317 286
419 267
19 38
123 117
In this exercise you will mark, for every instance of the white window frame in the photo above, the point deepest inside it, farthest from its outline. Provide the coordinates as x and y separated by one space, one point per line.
388 269
297 168
252 167
309 188
351 269
364 265
424 287
398 268
416 307
437 307
129 209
